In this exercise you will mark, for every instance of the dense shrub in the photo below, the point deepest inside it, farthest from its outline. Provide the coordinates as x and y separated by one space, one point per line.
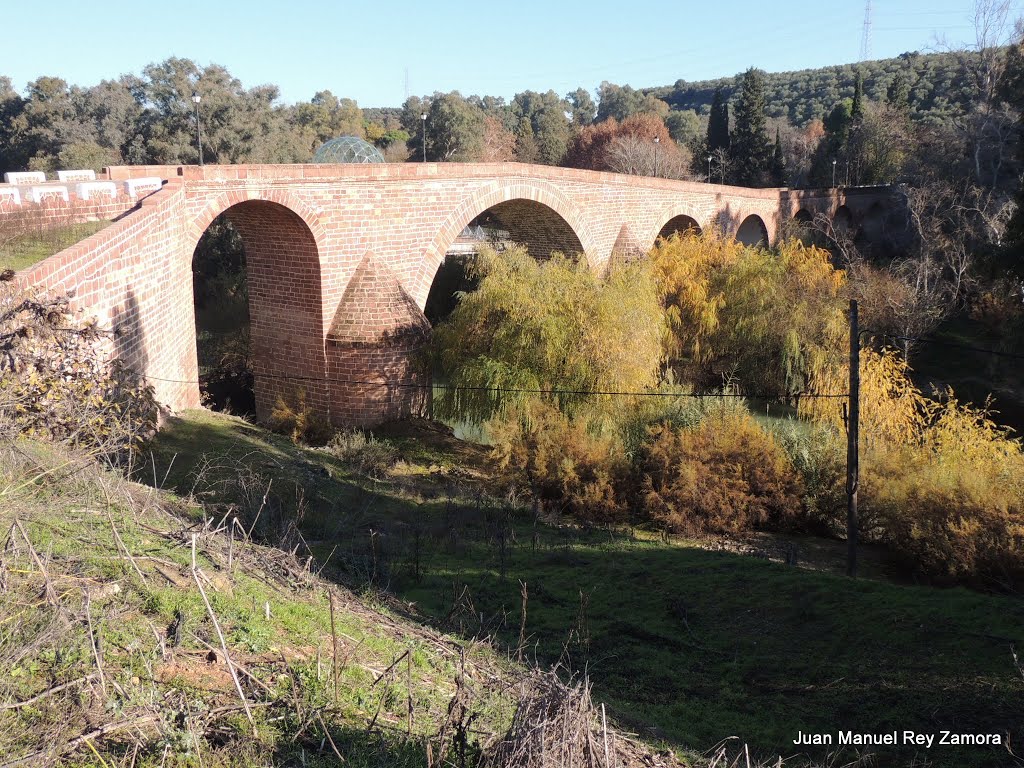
363 452
951 502
58 380
941 484
567 466
725 476
298 420
818 454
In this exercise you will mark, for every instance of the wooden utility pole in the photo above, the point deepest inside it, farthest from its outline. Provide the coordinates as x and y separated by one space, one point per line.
853 444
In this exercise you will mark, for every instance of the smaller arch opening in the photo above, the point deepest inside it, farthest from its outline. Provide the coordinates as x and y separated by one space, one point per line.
801 226
842 221
752 231
681 225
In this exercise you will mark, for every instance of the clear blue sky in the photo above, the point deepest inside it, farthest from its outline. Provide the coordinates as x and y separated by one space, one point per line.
362 50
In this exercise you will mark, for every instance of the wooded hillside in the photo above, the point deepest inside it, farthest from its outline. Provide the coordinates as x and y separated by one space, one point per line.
939 86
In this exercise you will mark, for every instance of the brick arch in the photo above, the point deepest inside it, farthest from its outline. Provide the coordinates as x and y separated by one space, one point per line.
283 272
219 204
667 216
500 195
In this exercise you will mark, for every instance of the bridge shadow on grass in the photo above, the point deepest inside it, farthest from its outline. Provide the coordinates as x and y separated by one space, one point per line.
692 646
685 645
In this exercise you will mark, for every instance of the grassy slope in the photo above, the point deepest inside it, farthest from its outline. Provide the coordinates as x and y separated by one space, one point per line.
169 695
699 645
31 248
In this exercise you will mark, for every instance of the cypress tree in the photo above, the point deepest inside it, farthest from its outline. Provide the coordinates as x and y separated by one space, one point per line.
750 150
857 112
526 144
778 166
718 123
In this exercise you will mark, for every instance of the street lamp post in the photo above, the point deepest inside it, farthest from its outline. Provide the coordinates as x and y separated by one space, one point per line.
833 171
709 169
423 117
196 98
657 142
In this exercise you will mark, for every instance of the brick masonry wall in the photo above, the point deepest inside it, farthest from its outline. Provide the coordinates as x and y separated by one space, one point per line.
55 212
306 228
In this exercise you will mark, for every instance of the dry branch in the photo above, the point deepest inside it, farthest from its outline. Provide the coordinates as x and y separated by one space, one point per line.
220 635
46 694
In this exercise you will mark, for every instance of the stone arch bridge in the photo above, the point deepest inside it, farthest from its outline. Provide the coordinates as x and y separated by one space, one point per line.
341 259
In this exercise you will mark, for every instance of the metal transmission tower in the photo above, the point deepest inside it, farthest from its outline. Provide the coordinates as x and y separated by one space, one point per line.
865 39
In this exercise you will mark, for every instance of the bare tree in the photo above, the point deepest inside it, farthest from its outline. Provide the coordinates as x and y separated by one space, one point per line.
722 163
640 156
989 129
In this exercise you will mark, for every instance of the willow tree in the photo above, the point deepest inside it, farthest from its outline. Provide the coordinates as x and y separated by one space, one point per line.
770 321
552 330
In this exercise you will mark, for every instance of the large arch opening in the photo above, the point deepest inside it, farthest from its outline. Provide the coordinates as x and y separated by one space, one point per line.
519 222
679 225
259 312
221 294
752 231
531 224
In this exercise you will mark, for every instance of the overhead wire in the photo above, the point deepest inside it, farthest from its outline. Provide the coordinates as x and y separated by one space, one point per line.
512 390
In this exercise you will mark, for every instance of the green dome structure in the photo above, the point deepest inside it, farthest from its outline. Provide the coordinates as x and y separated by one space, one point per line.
347 149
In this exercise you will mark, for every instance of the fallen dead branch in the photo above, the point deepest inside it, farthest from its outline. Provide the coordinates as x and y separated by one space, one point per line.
556 725
97 733
47 693
220 635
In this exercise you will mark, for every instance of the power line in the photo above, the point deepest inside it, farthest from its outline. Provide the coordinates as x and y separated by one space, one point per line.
508 390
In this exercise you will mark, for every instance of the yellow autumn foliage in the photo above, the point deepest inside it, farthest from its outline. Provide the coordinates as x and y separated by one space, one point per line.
941 483
770 321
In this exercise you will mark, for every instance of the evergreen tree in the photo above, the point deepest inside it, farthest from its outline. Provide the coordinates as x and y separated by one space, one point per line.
778 164
718 123
897 95
833 146
582 107
857 110
526 144
749 150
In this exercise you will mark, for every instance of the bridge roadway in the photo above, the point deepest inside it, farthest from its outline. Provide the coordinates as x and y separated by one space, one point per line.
341 259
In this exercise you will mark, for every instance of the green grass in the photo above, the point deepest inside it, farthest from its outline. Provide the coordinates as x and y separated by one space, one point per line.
70 516
684 644
28 249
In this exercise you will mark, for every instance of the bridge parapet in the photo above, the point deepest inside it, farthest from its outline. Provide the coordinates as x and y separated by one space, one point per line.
306 230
